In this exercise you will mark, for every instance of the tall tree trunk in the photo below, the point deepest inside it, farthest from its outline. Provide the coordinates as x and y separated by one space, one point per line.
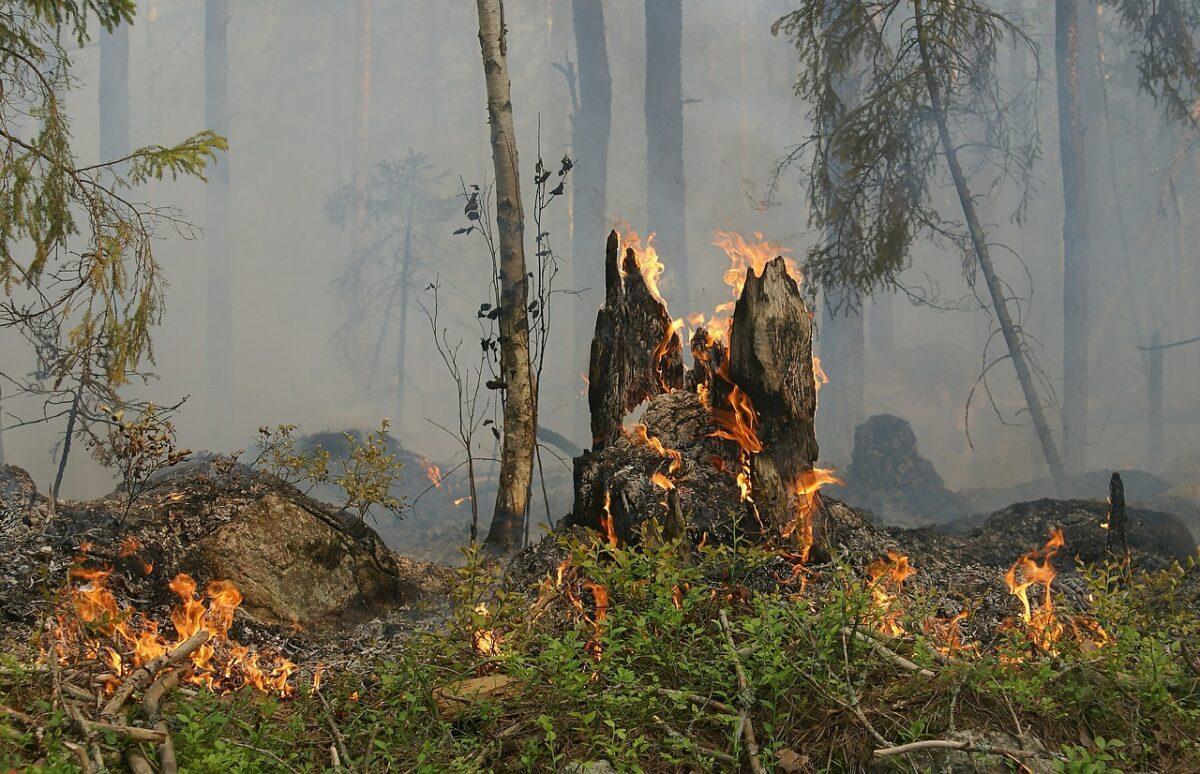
979 242
520 411
402 327
881 324
664 140
1075 235
68 435
114 93
841 406
362 121
591 127
219 335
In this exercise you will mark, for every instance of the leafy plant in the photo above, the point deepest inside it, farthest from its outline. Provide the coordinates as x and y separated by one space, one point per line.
368 473
278 455
138 449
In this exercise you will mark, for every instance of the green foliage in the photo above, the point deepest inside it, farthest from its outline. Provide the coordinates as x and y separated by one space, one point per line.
76 257
1162 36
368 473
279 456
874 164
138 448
622 685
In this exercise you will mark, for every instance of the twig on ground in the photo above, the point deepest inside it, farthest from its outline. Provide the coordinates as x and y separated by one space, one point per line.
745 697
142 677
716 755
696 698
137 762
953 744
341 756
887 653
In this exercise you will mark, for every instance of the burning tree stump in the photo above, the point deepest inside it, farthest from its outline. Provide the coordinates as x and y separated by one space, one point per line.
636 351
770 359
730 455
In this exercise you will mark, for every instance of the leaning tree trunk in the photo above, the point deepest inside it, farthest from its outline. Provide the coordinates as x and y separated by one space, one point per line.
983 254
219 336
520 411
114 93
591 127
664 138
1075 235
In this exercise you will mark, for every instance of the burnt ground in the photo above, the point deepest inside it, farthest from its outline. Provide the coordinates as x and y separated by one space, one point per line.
319 585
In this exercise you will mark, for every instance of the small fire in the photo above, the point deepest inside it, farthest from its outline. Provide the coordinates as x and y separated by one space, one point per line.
221 664
639 434
485 640
661 481
819 376
737 421
600 613
744 256
806 499
433 473
648 262
885 577
1036 567
606 520
947 634
663 351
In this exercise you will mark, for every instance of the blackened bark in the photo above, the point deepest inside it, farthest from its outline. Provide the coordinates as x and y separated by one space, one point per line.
591 127
219 334
664 139
635 352
1075 235
770 359
1117 544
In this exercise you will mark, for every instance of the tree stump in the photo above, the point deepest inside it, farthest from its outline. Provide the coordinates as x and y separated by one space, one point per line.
770 359
636 352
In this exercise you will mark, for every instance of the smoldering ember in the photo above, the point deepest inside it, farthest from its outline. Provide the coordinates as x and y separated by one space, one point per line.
669 393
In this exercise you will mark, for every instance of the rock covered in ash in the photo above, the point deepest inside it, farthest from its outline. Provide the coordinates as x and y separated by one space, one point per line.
889 477
1157 539
295 560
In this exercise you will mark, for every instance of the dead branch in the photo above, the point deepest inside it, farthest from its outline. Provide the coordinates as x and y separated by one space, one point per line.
745 698
142 677
717 755
887 653
696 698
953 744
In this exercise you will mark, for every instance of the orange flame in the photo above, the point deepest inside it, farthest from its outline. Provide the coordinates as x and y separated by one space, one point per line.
648 262
606 520
433 473
885 578
485 641
639 434
661 481
1036 567
737 421
806 499
220 664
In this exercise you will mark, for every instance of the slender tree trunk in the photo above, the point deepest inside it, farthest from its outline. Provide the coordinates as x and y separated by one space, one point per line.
664 140
520 411
591 127
3 461
114 93
402 328
840 408
68 435
881 325
979 242
362 122
219 338
1075 235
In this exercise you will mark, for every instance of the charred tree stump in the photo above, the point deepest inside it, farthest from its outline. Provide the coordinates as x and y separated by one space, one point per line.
770 359
1117 542
636 353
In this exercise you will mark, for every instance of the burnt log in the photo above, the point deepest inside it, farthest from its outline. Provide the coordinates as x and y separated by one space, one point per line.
770 359
636 352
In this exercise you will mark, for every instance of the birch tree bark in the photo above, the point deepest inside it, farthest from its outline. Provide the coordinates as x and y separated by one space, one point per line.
520 411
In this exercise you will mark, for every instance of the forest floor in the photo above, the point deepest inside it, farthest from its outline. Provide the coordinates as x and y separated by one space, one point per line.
636 659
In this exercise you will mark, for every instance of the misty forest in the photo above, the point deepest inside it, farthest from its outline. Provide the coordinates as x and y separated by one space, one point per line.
599 385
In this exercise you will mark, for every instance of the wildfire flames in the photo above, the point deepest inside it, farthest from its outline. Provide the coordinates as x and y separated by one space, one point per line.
885 577
1033 568
94 626
805 501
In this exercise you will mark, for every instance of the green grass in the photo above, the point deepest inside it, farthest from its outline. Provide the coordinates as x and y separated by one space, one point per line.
590 689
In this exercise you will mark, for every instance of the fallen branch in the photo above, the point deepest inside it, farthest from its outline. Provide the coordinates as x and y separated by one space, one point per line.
717 755
151 701
953 744
137 762
745 698
142 677
887 653
339 754
696 698
133 733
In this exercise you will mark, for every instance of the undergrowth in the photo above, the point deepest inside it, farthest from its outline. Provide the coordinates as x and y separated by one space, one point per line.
620 657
